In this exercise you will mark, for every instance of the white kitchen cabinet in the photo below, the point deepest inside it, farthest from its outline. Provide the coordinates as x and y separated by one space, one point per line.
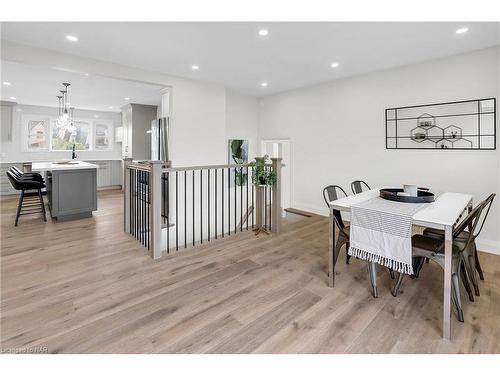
103 173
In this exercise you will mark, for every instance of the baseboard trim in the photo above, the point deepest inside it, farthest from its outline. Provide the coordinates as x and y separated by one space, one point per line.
318 210
483 245
488 246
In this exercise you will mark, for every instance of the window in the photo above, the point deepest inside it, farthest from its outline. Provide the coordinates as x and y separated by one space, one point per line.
103 132
37 130
78 134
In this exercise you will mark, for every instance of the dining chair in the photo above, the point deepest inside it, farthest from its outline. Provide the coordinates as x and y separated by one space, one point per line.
332 193
471 254
358 185
433 248
31 198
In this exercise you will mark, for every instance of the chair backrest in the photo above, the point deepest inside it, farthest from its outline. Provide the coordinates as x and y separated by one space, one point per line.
16 172
14 180
331 193
484 214
471 221
357 186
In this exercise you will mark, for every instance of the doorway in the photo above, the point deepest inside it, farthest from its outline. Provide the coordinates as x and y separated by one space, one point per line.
281 148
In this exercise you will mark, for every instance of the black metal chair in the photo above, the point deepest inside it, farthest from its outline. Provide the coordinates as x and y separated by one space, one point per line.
433 249
31 198
357 186
331 193
471 254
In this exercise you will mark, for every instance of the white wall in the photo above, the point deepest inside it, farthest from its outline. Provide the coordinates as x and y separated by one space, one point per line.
242 120
13 151
338 131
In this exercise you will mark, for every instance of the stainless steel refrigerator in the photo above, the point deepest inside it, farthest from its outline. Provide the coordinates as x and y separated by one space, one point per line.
160 139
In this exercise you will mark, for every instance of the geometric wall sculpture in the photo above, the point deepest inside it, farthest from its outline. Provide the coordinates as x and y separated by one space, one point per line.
459 125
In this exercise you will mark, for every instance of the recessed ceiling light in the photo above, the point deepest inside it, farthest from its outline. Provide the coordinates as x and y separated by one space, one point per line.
462 30
195 67
96 116
110 107
263 32
264 84
127 98
335 65
13 98
86 74
71 38
7 83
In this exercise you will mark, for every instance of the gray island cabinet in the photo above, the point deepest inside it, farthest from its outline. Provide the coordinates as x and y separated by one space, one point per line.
71 188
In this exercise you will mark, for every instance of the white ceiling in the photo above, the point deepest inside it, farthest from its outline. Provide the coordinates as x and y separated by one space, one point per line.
35 85
294 54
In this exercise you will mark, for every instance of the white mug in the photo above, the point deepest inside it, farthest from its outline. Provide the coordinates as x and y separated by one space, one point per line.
411 190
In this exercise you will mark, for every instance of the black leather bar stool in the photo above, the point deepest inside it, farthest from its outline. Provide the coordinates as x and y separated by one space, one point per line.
31 199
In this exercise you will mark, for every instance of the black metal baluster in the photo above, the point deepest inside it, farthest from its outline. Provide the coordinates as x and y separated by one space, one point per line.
163 196
185 210
265 206
246 217
241 199
208 205
235 202
134 202
193 207
137 205
176 211
222 200
130 220
137 202
270 205
143 203
201 205
253 204
168 212
141 213
215 203
147 212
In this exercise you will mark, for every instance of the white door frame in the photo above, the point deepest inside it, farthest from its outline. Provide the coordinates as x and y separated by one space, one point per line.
289 163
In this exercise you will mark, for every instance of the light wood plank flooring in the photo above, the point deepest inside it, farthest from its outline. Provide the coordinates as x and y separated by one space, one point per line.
87 287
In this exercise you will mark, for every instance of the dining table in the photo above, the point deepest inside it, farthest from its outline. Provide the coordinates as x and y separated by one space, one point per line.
443 214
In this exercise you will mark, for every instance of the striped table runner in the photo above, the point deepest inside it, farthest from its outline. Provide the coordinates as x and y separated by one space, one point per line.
381 232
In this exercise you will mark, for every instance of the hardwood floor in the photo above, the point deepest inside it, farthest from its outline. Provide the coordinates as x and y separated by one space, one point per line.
87 287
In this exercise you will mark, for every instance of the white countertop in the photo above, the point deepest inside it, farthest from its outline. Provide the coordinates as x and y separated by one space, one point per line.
51 166
443 211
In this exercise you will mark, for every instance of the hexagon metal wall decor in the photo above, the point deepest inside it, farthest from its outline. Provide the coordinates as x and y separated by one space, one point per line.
435 133
453 133
418 134
444 144
426 121
476 133
461 143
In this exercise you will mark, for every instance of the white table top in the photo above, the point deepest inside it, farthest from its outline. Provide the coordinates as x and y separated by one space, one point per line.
50 166
444 211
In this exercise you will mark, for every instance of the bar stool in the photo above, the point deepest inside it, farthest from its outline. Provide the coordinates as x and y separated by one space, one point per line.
31 199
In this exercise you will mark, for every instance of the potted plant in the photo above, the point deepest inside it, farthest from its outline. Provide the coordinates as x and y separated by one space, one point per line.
262 174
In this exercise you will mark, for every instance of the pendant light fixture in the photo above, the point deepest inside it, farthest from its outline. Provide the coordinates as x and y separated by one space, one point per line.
65 117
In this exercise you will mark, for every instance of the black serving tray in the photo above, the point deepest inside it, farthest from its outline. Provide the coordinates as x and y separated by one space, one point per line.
424 196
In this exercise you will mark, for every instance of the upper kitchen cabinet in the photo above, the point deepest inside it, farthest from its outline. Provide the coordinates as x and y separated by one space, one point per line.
136 121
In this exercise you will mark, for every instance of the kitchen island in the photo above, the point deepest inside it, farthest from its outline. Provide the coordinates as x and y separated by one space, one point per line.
71 188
